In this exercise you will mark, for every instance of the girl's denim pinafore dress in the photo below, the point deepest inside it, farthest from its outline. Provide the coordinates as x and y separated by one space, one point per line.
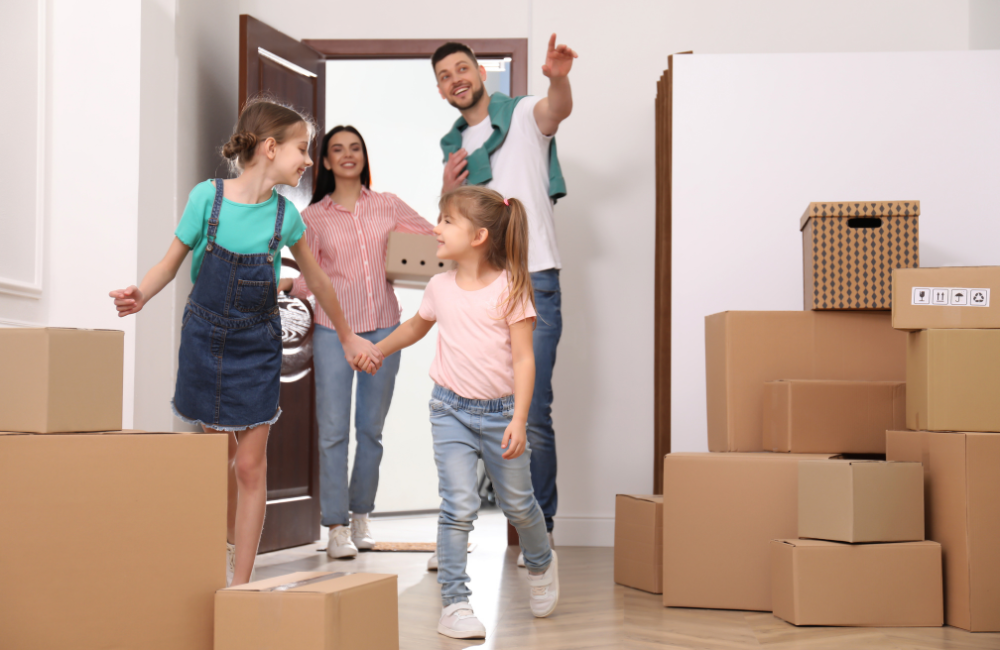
229 370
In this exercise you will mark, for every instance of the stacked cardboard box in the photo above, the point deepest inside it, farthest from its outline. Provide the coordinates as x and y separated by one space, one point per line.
860 558
811 385
110 538
953 379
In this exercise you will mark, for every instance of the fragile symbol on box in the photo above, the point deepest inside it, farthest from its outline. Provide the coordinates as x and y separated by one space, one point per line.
951 297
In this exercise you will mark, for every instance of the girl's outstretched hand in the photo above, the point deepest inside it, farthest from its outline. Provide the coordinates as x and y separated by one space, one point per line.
128 301
515 440
364 363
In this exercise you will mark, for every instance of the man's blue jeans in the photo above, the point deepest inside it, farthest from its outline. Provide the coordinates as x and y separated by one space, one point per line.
464 431
541 436
334 380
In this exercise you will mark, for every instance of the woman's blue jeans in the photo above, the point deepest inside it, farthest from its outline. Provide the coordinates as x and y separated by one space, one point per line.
334 381
464 431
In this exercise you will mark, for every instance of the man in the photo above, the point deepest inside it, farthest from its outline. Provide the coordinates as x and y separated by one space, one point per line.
507 144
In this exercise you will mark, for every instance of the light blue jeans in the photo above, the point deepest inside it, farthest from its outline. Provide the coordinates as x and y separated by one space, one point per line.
465 430
334 381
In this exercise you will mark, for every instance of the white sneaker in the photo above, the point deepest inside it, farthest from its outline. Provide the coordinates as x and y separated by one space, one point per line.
459 622
230 562
545 590
361 534
340 545
432 562
520 556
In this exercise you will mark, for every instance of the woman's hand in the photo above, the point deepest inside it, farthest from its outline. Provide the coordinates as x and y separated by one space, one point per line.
128 301
515 439
355 348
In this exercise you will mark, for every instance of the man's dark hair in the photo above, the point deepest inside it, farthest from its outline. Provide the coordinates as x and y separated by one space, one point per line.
450 48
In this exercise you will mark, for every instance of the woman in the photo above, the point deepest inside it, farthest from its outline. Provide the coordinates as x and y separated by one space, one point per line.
348 228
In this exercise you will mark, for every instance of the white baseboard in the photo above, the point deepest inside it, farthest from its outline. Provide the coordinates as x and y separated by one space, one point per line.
10 322
584 530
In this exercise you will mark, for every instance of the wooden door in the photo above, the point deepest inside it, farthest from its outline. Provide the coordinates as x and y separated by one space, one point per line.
277 65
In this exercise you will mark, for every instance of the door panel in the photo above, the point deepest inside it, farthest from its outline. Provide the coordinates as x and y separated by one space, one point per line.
277 65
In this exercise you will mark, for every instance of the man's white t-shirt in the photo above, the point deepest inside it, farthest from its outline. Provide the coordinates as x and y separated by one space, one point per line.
521 170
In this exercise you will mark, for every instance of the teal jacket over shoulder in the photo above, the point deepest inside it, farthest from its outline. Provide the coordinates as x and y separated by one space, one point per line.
478 162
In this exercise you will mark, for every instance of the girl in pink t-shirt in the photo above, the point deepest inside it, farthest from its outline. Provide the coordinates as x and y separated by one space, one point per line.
484 371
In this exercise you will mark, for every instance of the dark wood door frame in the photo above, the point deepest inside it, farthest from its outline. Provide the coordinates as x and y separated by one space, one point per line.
423 48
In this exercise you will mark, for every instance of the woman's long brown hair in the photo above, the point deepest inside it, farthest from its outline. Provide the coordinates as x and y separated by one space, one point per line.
507 241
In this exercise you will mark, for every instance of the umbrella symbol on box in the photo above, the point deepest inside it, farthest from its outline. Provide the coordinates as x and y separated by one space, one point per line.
958 296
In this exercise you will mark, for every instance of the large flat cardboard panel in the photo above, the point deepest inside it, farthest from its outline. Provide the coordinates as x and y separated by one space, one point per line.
870 585
826 416
412 258
58 380
861 501
639 541
962 511
955 377
745 349
309 611
850 249
720 513
111 541
913 312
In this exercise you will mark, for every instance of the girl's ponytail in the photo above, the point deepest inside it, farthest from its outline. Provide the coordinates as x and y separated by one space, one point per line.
516 245
507 246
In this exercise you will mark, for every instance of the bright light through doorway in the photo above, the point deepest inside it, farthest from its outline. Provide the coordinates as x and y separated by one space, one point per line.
396 107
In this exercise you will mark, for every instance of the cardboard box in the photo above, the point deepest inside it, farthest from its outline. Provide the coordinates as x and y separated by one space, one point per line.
111 541
849 250
873 585
953 380
720 513
861 501
309 611
829 416
412 259
946 298
58 380
744 349
639 542
962 509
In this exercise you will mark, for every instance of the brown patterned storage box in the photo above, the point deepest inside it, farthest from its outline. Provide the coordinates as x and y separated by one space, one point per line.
849 250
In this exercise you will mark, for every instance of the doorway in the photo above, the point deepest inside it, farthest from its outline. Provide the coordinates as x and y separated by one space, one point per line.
395 105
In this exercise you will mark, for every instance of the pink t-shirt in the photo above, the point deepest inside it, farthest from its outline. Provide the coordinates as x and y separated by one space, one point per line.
474 358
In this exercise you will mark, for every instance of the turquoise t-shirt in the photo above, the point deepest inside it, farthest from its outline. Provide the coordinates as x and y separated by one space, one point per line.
243 228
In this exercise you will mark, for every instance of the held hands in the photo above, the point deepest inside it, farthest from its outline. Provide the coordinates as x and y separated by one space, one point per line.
454 171
515 440
362 355
558 60
128 301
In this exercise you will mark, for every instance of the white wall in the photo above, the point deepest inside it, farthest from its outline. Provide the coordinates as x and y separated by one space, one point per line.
755 143
604 377
89 123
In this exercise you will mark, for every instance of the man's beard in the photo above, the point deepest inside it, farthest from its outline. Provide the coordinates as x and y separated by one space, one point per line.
477 94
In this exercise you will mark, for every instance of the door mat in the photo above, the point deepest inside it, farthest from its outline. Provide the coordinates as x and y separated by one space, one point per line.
403 547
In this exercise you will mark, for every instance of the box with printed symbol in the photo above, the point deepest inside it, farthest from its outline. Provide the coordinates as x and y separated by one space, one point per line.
411 260
850 248
951 297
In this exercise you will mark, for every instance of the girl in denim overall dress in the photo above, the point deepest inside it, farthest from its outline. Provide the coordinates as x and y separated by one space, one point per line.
484 371
229 366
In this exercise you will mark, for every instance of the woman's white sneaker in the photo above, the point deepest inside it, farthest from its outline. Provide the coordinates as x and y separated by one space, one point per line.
340 544
545 590
361 534
432 562
459 622
230 562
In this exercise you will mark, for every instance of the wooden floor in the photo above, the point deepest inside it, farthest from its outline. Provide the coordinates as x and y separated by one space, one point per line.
593 612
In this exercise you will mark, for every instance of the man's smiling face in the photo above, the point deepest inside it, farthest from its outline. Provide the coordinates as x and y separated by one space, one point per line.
459 80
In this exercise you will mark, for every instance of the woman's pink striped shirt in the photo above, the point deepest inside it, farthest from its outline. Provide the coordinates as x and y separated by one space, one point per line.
351 248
